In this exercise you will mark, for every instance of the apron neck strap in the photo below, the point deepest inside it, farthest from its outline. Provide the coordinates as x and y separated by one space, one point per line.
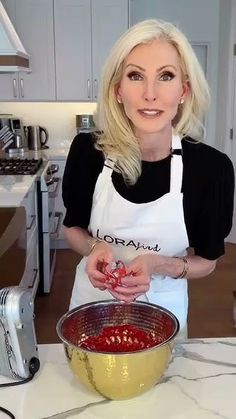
108 166
176 173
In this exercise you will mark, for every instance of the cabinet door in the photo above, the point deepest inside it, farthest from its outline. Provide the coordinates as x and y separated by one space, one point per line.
73 49
9 86
9 81
109 21
30 278
34 25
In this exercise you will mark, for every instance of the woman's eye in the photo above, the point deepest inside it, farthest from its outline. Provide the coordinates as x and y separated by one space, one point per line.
134 76
167 76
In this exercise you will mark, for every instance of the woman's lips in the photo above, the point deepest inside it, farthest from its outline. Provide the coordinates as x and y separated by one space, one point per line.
150 113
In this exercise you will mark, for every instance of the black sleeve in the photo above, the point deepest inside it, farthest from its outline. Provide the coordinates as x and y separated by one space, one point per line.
83 165
214 220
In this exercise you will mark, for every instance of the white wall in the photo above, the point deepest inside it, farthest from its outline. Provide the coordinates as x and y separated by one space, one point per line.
58 118
230 145
200 21
224 74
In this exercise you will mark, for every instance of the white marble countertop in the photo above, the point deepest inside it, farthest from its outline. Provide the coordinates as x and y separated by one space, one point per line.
50 153
14 188
56 153
199 383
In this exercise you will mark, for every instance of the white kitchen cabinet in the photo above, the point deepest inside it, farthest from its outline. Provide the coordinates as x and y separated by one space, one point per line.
60 241
85 31
30 205
30 278
33 21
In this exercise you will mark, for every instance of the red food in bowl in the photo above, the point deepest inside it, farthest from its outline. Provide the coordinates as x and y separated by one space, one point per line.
118 338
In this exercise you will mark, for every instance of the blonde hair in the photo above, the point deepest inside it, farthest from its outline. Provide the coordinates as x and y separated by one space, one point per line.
117 138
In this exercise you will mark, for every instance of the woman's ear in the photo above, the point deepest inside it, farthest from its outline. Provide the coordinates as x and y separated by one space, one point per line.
117 93
185 91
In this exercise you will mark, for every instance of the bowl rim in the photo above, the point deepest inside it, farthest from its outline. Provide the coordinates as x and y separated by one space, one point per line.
116 302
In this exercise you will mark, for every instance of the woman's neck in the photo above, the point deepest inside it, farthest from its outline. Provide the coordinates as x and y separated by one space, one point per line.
154 148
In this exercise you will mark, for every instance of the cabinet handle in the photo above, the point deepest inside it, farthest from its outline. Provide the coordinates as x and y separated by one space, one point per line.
35 276
55 233
33 218
34 286
22 87
89 88
95 85
14 88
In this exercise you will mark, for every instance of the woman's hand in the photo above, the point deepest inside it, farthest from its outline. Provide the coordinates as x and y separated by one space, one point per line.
101 252
137 283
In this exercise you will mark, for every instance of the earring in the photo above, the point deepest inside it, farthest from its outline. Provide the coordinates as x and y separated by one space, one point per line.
181 101
119 100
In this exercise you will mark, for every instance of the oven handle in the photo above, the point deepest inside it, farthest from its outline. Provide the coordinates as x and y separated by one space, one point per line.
54 194
55 233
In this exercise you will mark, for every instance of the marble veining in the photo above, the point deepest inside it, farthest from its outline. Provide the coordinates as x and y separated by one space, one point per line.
76 411
199 383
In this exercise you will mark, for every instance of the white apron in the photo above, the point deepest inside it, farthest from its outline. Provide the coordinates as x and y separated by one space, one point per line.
155 227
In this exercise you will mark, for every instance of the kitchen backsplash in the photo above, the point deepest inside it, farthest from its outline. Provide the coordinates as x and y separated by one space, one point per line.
58 118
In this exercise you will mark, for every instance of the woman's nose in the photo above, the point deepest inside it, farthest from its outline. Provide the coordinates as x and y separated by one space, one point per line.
150 93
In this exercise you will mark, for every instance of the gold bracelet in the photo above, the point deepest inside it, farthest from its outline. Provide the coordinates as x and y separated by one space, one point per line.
185 268
93 241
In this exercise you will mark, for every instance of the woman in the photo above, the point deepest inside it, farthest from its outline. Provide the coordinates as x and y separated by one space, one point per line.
145 189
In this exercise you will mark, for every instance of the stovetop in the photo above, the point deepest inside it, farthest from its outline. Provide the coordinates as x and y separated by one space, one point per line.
19 166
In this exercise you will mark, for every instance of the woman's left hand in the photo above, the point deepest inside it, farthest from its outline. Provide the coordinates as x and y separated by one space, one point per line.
137 283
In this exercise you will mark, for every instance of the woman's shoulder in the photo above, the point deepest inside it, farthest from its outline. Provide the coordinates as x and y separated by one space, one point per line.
85 142
83 150
205 158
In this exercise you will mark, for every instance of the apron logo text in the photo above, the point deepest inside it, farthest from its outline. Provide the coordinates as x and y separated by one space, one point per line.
137 245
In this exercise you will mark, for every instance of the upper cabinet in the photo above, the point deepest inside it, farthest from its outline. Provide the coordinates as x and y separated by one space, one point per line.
33 21
85 31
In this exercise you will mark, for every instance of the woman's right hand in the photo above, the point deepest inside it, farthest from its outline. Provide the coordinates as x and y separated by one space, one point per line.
102 252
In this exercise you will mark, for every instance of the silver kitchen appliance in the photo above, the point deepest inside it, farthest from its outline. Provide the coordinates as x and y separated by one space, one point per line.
12 136
18 347
17 166
37 137
85 123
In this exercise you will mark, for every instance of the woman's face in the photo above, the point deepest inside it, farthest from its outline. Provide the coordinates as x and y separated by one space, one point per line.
151 87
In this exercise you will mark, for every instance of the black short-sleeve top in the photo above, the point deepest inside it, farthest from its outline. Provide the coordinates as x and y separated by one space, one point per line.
207 186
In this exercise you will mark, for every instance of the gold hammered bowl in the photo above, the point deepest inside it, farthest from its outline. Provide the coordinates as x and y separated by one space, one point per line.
120 375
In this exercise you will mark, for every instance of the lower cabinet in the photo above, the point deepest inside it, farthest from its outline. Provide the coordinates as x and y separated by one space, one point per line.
30 277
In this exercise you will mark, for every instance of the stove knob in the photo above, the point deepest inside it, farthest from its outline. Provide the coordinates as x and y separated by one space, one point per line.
53 168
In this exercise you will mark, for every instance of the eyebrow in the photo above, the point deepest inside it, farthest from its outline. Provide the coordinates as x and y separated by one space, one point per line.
158 70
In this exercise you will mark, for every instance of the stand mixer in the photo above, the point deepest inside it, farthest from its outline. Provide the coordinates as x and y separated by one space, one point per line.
18 347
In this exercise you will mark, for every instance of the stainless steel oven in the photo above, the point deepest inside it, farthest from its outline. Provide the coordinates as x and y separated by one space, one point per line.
48 187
